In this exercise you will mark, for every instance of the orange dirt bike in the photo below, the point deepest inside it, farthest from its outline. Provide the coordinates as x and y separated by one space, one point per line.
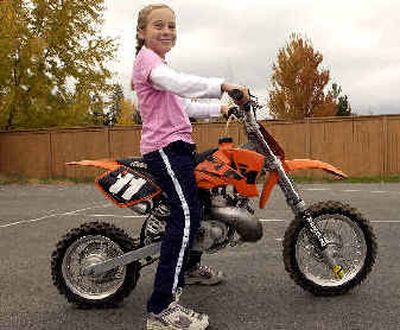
328 249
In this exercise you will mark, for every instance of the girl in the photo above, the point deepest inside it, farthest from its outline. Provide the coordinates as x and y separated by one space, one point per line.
168 149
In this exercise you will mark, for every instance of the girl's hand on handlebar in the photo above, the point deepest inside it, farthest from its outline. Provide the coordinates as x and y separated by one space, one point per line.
224 110
227 87
229 111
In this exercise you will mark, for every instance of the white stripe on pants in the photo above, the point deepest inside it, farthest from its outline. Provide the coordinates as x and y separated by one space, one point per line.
186 212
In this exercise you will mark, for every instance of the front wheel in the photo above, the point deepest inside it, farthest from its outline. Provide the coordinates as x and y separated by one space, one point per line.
351 242
87 245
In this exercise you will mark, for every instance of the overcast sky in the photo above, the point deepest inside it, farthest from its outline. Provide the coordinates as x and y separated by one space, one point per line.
239 40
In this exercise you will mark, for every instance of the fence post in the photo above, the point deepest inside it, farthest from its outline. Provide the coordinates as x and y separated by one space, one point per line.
109 151
50 157
308 138
385 158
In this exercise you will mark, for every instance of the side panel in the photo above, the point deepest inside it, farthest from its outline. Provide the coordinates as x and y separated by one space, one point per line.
126 187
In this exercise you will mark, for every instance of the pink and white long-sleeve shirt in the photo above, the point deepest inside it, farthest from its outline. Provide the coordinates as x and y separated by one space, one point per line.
160 89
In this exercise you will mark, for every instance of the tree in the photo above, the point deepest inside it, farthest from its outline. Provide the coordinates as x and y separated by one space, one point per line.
298 84
52 63
114 111
128 114
14 43
343 107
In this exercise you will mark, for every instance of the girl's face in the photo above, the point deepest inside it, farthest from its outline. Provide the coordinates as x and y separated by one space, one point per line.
159 34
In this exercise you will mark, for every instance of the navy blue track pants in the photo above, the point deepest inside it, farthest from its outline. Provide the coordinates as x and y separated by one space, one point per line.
173 169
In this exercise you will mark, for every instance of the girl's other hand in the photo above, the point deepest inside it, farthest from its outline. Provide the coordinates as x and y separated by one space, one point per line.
226 87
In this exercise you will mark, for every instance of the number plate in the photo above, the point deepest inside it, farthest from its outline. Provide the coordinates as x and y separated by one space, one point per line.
126 187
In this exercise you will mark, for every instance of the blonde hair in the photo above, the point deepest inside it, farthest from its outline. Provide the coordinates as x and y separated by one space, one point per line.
142 22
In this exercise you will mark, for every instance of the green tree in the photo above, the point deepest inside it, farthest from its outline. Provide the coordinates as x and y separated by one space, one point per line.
52 63
343 107
114 111
298 83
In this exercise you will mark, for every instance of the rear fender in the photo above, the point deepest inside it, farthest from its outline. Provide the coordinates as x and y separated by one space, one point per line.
106 164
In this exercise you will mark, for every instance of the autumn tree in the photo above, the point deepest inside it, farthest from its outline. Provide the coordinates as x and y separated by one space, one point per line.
299 84
52 62
128 114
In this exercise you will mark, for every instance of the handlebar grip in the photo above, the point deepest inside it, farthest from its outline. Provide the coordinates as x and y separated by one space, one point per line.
233 111
236 94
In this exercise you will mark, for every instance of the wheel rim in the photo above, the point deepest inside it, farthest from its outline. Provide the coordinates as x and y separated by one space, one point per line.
88 251
348 246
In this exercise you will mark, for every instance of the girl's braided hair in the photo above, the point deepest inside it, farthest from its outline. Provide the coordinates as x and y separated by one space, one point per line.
142 22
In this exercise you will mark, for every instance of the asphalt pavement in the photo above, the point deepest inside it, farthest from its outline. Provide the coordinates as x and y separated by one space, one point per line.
258 293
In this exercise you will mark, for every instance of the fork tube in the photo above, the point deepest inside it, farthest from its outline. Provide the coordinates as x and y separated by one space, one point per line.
292 196
288 188
299 207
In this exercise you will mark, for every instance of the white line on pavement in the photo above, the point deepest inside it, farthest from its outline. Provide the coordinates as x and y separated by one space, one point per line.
73 212
272 220
386 221
377 221
51 216
317 189
116 216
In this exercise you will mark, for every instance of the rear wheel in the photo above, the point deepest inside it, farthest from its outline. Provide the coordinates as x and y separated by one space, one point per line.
88 245
350 239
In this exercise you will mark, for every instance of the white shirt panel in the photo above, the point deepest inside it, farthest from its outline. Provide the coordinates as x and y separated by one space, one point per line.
200 110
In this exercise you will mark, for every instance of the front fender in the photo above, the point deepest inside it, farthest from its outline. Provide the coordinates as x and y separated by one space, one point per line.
292 165
301 164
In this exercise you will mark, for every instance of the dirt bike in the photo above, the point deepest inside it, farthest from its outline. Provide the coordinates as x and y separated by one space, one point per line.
328 249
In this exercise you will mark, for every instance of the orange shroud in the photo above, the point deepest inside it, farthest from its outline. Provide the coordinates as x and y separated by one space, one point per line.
231 166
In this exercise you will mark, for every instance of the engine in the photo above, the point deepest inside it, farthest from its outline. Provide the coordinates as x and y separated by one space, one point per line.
225 214
212 236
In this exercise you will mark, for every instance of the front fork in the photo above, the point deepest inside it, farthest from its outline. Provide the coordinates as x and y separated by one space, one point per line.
300 210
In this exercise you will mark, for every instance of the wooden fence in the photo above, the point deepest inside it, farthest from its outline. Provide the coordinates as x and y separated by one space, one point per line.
360 146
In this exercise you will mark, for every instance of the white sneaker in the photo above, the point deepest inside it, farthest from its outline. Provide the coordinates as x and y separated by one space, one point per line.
203 275
177 317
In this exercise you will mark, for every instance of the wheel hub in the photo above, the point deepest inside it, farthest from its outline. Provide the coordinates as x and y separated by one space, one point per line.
89 251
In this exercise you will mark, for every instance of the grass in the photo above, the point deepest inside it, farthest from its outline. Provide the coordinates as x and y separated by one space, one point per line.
22 180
